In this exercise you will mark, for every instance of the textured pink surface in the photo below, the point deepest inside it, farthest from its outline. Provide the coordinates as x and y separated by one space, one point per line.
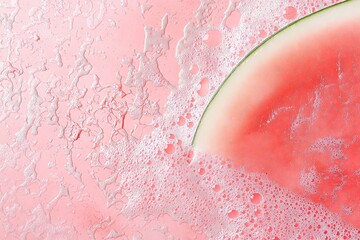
54 52
99 100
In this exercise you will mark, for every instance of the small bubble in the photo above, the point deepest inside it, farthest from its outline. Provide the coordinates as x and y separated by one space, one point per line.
212 38
216 188
290 13
233 19
36 37
170 149
233 214
256 198
194 69
204 87
181 121
252 40
258 212
262 33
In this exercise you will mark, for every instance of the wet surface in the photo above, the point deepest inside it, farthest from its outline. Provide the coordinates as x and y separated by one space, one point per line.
99 101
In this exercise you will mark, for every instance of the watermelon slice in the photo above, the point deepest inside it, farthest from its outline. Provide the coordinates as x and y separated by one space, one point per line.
291 110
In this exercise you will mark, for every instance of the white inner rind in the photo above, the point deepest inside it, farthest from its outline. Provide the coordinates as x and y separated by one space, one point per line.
241 87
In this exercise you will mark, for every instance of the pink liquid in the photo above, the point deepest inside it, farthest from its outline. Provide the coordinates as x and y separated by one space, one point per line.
99 103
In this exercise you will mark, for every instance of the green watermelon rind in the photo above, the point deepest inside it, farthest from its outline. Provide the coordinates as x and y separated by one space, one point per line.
254 50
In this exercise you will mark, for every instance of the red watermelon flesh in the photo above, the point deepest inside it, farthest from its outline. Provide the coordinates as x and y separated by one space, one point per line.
296 114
